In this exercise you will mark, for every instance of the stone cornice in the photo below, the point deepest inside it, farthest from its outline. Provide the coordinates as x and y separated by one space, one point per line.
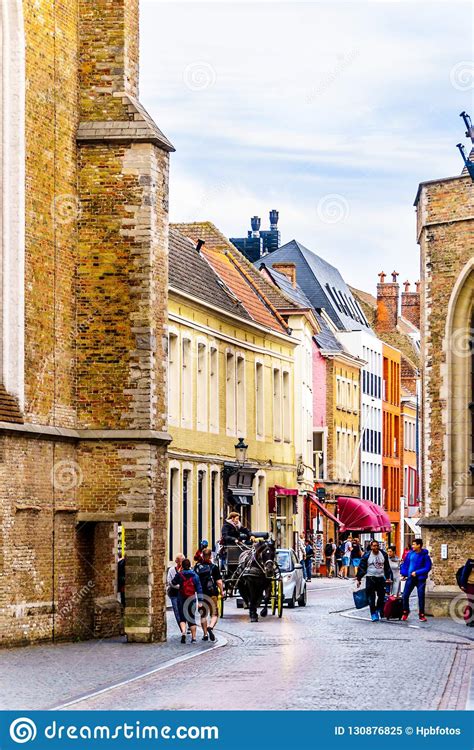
448 522
46 432
138 128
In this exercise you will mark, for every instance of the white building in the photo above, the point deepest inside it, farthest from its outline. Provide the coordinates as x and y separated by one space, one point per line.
365 345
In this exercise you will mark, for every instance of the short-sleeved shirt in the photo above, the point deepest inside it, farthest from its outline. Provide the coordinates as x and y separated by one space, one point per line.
376 565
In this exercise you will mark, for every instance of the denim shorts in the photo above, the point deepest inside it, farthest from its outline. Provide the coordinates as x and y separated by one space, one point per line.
355 561
346 560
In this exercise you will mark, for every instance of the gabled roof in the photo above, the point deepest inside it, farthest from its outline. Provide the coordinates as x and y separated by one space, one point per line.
190 272
322 284
326 340
243 280
294 293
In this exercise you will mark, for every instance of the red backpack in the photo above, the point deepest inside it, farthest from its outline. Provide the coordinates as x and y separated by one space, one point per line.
188 587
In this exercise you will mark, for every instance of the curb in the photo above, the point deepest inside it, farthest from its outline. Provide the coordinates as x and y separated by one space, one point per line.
171 663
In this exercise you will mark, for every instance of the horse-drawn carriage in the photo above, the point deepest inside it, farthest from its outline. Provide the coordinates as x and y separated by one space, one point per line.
251 570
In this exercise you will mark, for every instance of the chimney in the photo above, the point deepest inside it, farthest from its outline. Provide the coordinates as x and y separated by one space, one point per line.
411 304
387 303
288 269
255 222
273 219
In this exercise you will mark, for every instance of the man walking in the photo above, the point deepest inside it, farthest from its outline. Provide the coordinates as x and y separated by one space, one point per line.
414 569
211 583
346 557
376 567
329 551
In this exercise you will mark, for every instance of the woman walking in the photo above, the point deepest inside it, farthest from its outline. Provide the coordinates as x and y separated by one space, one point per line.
189 589
173 591
394 562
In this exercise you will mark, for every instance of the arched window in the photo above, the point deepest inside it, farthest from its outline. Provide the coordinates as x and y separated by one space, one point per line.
460 394
12 198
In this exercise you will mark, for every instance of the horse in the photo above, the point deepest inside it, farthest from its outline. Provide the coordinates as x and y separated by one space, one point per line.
256 568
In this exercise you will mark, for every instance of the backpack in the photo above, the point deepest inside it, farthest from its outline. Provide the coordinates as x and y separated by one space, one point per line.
328 550
208 583
188 587
459 573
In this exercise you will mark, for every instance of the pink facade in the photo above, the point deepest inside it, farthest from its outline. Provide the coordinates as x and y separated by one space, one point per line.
319 389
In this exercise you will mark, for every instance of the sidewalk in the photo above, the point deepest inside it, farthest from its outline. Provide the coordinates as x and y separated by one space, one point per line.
46 676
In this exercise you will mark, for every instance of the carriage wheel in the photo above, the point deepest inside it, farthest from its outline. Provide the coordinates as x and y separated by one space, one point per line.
279 597
274 595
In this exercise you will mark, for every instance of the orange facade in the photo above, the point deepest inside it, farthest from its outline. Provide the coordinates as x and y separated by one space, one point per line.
391 443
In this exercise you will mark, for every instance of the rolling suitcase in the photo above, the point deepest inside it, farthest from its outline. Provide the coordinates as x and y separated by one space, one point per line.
393 608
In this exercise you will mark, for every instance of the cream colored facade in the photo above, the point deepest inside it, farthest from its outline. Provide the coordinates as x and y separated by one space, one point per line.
228 378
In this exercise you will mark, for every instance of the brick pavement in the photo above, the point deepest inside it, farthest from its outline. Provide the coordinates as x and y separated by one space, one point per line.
316 657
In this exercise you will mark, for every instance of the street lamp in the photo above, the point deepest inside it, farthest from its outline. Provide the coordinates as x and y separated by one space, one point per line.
241 452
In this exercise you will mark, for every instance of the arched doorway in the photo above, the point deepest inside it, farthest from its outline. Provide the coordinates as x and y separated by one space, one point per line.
460 395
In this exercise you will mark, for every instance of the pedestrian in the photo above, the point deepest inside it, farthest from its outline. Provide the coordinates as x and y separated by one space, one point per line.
346 557
189 589
414 569
121 579
171 590
211 583
394 561
375 566
329 550
301 549
356 554
405 552
467 585
202 546
308 560
338 553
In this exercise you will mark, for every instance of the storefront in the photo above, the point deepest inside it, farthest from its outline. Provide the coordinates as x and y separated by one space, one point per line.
239 492
283 511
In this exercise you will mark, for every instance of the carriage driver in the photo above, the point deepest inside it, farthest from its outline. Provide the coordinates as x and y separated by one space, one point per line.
233 531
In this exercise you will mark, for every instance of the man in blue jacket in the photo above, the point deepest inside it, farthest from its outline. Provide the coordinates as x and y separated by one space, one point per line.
414 569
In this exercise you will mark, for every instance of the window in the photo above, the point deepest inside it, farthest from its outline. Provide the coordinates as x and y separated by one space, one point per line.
286 408
201 393
173 514
230 393
202 528
259 400
215 525
173 379
276 404
241 401
186 385
187 525
213 390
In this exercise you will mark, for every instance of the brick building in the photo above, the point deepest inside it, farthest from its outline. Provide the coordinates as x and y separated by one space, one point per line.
445 232
83 426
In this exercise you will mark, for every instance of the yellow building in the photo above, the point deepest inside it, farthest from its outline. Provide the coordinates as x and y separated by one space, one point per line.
231 376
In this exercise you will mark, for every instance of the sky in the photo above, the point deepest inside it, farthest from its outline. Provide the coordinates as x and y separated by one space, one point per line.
330 112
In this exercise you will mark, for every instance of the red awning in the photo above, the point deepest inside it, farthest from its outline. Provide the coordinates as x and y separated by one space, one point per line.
356 514
323 508
284 491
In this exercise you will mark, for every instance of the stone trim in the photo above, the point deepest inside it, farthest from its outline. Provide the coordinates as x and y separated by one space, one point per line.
447 522
46 432
138 128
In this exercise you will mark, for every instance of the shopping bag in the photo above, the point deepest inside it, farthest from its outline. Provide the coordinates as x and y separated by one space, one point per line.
361 599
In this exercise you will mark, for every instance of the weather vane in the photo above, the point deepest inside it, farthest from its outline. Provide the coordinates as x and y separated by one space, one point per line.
469 134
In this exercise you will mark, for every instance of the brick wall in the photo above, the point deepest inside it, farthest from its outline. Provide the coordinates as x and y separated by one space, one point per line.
95 305
445 220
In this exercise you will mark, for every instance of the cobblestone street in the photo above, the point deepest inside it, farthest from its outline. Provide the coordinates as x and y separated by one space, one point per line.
324 656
